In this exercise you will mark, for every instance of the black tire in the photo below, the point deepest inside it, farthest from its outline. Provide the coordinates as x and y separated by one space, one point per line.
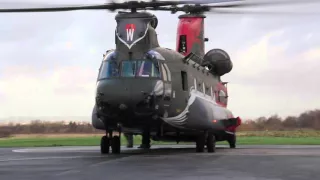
116 145
211 143
232 140
200 143
104 145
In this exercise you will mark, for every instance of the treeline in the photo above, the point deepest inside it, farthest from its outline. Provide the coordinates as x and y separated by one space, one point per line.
44 127
306 120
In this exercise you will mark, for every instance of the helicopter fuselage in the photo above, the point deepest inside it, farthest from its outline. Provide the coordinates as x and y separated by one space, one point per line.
142 85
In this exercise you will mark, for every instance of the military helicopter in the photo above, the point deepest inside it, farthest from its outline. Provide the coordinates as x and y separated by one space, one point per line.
157 92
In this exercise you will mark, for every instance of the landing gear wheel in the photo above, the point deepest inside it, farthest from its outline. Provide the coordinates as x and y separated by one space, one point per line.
116 145
232 140
104 145
211 143
200 143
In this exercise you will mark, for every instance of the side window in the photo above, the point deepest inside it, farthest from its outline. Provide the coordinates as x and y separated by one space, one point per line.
168 72
184 81
208 92
200 89
222 97
164 73
211 93
216 95
167 84
203 88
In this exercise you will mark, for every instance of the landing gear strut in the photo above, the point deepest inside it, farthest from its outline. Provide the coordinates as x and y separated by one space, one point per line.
104 145
145 139
231 138
211 143
200 142
114 142
116 145
206 139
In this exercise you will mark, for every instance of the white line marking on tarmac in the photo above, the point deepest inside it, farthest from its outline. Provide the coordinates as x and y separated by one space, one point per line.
47 158
88 148
56 149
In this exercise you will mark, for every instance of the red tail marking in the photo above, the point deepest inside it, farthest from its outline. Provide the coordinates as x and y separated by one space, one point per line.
193 28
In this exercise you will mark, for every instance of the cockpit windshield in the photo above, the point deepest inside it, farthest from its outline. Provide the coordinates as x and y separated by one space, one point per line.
140 68
147 67
129 68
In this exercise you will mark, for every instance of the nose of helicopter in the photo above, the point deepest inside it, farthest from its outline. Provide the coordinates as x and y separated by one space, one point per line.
127 95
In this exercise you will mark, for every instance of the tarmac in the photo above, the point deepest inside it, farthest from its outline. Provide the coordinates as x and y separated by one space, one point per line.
161 162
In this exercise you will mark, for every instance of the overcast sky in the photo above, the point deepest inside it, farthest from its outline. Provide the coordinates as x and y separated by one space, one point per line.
49 61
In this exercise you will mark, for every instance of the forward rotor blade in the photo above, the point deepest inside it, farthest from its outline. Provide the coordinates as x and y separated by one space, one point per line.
112 6
22 4
55 9
106 6
159 4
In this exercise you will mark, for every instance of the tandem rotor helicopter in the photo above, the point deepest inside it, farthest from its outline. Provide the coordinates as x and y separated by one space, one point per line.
160 93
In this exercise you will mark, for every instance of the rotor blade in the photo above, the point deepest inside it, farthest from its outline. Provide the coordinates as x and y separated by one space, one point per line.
262 3
269 13
157 4
22 4
55 9
110 6
208 1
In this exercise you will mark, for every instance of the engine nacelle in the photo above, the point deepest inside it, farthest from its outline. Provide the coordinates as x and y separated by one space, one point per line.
218 61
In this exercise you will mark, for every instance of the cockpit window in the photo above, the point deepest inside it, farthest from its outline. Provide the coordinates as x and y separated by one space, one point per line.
128 69
108 69
140 68
147 69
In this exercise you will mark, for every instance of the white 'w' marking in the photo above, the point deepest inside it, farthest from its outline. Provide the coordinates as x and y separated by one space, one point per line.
130 33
